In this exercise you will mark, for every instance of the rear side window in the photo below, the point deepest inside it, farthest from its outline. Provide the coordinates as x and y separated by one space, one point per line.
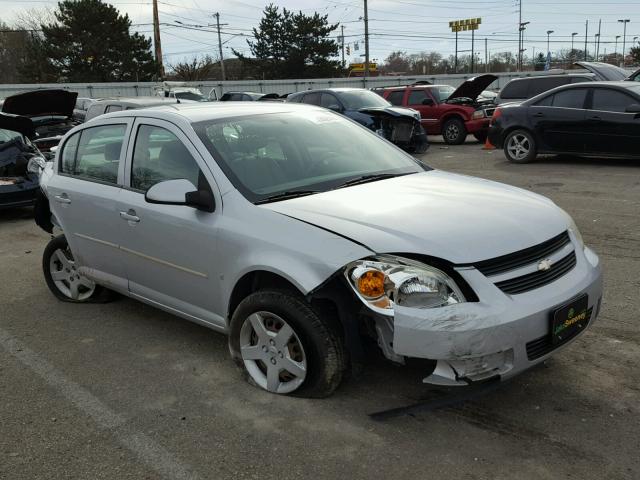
113 108
395 97
573 98
609 100
515 89
540 85
312 98
417 96
94 153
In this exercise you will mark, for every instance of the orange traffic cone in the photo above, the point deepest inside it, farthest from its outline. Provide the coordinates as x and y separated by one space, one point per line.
488 145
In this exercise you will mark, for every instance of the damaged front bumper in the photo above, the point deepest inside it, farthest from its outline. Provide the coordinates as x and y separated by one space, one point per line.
500 335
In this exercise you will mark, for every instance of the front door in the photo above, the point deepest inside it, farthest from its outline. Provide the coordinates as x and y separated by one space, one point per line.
611 130
84 197
170 250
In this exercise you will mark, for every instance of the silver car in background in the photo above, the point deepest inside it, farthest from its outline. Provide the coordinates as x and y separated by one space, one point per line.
298 233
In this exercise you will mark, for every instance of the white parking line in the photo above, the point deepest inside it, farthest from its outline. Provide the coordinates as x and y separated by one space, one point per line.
147 450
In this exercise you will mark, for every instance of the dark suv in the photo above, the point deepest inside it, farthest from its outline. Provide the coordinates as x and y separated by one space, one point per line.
521 89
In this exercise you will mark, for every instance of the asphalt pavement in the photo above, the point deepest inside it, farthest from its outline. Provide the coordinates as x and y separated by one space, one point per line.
121 390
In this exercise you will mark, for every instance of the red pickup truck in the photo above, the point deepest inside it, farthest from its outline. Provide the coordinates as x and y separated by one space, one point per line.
451 112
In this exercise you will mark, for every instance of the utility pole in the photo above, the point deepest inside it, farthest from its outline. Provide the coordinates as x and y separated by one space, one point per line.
366 40
224 75
520 35
486 56
473 56
455 62
598 45
573 54
156 39
615 52
586 34
342 37
624 38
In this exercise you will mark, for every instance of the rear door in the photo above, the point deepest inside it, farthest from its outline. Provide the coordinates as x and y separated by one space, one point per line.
84 197
429 114
170 250
558 121
611 130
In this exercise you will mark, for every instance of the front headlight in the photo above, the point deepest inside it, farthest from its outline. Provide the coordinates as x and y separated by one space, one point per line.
574 228
36 164
478 114
385 281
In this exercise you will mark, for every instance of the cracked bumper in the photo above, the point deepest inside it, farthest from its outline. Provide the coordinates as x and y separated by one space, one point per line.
478 340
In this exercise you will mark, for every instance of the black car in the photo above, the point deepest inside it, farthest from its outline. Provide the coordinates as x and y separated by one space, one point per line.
598 119
246 96
20 162
51 112
399 125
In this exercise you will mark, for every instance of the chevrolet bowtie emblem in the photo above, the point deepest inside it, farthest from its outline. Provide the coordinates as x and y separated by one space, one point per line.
544 265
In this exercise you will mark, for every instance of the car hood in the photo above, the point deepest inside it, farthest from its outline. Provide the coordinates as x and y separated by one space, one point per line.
395 112
473 87
604 71
17 123
454 217
41 103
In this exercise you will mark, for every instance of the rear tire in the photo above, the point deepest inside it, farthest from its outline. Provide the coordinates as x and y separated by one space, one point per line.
520 147
454 131
63 279
284 346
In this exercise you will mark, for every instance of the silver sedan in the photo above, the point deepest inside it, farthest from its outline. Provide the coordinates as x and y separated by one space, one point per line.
300 233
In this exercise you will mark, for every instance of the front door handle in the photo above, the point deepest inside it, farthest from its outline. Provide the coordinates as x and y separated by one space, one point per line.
595 117
539 114
62 198
130 216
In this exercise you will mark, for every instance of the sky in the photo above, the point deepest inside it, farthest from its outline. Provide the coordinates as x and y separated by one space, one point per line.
411 26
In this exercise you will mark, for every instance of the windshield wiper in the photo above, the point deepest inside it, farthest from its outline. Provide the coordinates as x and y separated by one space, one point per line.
286 195
371 178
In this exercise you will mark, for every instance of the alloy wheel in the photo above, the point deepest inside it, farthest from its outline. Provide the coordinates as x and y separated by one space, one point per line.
518 146
272 353
66 277
452 132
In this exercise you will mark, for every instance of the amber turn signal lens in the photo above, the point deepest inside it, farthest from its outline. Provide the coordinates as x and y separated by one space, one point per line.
371 284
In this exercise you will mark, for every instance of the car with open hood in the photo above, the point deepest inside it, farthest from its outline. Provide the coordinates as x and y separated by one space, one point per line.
400 126
444 110
301 234
20 162
51 112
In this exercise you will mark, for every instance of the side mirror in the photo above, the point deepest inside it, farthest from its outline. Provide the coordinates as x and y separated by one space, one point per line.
633 108
427 101
335 107
180 192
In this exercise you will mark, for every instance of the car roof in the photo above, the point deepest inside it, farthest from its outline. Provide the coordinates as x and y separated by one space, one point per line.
621 85
142 101
197 112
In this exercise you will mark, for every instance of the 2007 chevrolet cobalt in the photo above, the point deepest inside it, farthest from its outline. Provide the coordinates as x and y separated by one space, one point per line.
300 233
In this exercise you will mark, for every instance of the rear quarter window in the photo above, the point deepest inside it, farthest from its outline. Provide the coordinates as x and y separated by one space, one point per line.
540 85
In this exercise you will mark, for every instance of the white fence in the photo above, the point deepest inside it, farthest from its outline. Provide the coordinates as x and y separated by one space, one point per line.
135 89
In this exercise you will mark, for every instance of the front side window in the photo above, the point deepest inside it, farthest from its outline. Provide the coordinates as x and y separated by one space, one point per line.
442 92
609 100
94 153
265 155
328 100
160 155
417 96
573 98
312 98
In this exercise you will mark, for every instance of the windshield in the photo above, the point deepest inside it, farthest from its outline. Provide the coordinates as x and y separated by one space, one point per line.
266 155
357 99
442 92
191 96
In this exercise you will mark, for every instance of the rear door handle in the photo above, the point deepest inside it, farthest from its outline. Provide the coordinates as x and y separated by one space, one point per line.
130 216
539 114
62 198
595 117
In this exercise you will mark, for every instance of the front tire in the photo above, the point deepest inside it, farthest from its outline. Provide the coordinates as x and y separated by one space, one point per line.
62 277
454 131
284 346
520 147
